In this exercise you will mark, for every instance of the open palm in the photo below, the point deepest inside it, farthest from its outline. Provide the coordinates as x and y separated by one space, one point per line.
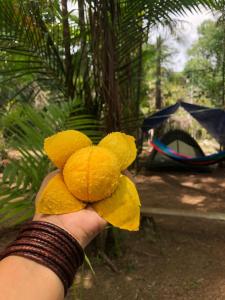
83 225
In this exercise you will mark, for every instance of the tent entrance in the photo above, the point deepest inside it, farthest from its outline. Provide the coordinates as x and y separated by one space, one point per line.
181 142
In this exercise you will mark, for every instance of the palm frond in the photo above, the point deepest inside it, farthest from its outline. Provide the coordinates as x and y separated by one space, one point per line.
28 51
26 131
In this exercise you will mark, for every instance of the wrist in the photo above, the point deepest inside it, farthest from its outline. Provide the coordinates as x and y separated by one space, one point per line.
74 231
83 225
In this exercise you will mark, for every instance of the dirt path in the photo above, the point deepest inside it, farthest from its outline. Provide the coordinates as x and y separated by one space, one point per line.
203 192
184 259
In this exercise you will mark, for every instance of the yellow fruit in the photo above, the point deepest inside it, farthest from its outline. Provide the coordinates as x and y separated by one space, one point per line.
56 199
92 174
122 209
60 146
122 145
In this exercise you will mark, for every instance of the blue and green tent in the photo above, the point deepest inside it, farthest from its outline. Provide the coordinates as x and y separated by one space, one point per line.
212 119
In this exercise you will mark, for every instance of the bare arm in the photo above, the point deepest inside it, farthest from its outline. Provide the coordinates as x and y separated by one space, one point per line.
24 279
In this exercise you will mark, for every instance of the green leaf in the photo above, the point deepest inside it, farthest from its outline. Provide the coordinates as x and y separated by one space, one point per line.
28 128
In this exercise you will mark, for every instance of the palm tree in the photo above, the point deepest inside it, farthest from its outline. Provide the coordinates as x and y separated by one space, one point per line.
90 55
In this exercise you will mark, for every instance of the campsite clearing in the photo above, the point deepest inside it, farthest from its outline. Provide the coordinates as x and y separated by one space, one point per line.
201 192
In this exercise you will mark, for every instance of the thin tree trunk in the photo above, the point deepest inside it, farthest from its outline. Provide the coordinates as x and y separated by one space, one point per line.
110 83
158 92
67 44
223 63
139 77
95 44
138 98
222 147
85 61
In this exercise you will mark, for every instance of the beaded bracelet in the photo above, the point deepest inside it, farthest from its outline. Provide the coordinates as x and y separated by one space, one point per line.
51 246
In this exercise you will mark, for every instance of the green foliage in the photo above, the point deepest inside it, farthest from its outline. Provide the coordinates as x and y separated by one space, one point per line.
28 53
205 66
23 175
33 51
172 83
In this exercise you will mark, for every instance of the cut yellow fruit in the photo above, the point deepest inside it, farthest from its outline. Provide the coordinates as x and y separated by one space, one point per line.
122 145
122 209
132 149
56 199
60 146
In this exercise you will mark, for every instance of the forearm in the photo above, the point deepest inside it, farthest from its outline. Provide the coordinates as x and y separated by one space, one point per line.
24 279
40 264
60 249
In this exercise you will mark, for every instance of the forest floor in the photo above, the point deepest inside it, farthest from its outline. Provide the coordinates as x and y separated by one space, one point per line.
179 258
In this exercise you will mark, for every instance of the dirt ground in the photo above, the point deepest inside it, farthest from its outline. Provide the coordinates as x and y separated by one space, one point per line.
178 258
202 192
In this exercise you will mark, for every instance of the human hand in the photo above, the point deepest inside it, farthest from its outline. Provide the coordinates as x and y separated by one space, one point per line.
83 225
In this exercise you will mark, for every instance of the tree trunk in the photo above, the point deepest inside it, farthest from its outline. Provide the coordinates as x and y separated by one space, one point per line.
139 133
67 44
158 87
223 62
86 89
109 60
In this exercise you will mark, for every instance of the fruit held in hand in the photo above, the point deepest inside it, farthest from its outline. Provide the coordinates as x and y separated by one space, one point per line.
92 175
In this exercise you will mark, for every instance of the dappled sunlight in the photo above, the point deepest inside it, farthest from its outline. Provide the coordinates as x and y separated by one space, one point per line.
141 179
222 184
88 281
192 201
191 184
14 154
210 185
217 285
84 279
185 262
128 278
195 181
183 191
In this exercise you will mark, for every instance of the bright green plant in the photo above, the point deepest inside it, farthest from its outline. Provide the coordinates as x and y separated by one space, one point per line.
22 176
205 68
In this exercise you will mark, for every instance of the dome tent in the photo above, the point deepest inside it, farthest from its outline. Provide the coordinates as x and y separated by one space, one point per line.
181 142
212 119
175 146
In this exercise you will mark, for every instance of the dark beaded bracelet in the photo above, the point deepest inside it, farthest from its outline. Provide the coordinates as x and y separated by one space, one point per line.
51 246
